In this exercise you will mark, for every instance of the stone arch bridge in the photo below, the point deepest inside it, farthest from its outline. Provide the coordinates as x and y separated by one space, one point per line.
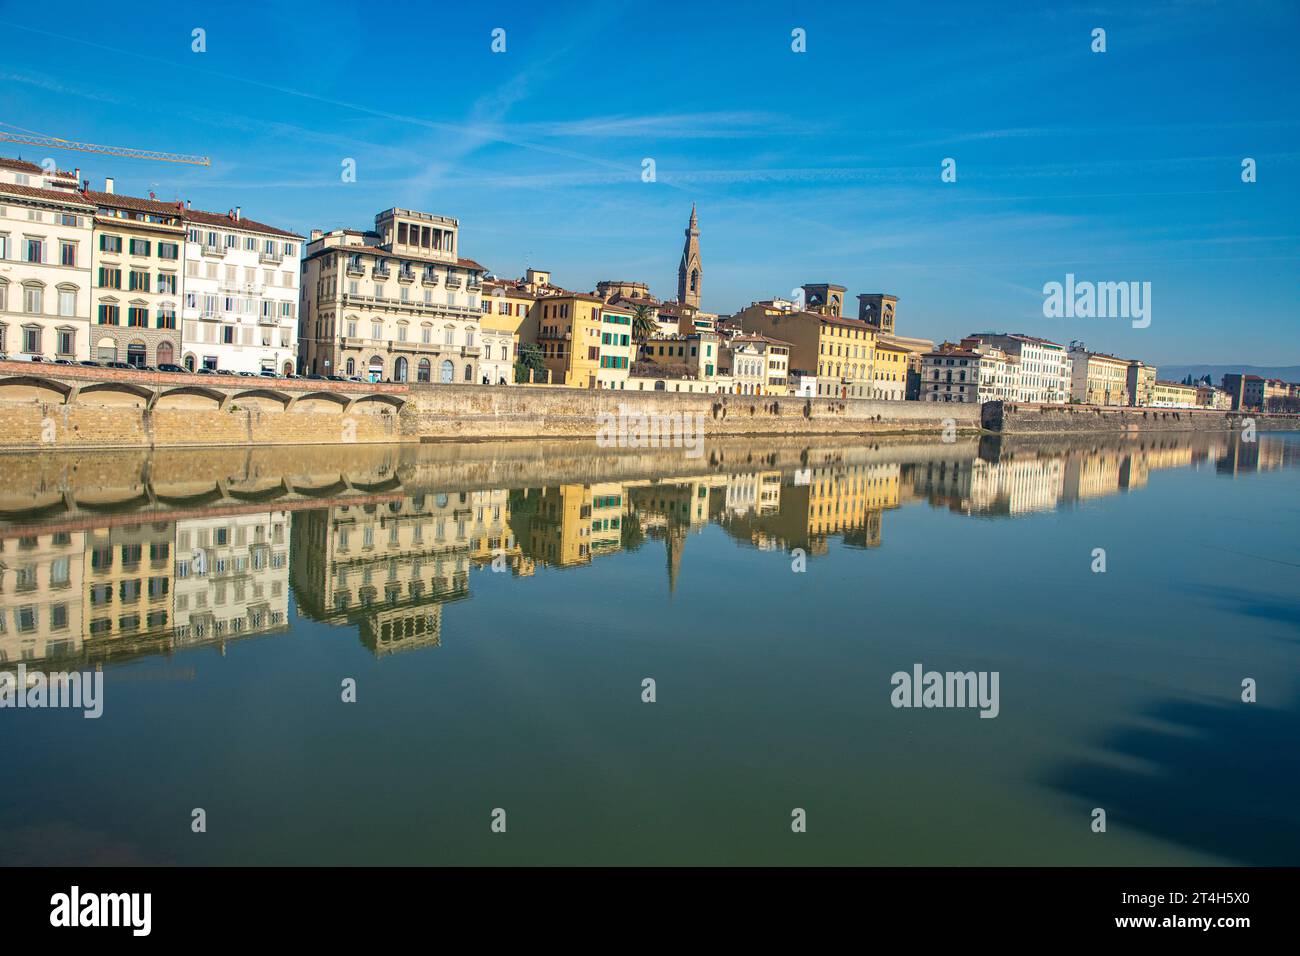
52 384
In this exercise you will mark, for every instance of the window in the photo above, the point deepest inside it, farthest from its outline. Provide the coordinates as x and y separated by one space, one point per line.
110 278
137 317
67 302
109 243
167 283
68 253
67 342
33 299
140 247
35 250
139 281
166 317
108 314
31 340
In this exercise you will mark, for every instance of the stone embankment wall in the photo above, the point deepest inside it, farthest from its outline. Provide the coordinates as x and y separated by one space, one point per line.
45 406
1015 419
458 413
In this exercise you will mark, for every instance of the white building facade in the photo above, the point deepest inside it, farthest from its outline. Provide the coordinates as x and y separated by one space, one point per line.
241 294
45 267
1044 366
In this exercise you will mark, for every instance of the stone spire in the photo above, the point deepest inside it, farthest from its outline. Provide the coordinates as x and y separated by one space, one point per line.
690 272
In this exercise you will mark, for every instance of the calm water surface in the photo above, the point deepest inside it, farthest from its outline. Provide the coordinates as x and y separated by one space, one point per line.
499 606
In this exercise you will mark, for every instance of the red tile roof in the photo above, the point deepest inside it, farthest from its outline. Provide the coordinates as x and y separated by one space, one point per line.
121 201
20 164
228 221
55 195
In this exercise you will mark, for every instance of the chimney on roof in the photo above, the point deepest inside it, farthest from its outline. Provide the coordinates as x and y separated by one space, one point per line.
239 213
77 174
315 234
108 184
189 204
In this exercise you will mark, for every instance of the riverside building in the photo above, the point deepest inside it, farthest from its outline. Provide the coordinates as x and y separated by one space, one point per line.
397 302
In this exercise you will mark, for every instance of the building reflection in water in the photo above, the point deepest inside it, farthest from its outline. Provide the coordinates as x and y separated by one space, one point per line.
100 588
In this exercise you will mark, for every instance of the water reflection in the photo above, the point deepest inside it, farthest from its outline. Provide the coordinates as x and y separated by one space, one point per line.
101 564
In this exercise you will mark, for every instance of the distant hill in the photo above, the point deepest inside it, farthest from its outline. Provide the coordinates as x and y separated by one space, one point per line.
1176 373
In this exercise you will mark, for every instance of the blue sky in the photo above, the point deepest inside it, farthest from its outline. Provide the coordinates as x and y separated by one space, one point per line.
812 167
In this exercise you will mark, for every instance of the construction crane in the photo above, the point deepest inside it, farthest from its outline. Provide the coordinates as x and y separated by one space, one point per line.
54 142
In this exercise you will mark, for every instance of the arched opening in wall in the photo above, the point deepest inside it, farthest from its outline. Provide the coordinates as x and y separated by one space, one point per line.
288 369
188 362
447 372
424 371
136 354
469 373
165 353
375 371
351 367
399 370
106 350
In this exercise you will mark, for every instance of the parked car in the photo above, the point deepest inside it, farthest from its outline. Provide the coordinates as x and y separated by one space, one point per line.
172 368
122 365
315 378
91 362
266 374
147 368
336 378
208 371
64 362
247 374
355 378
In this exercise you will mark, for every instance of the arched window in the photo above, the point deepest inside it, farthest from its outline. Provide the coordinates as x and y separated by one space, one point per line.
376 368
106 350
67 300
469 373
423 371
189 362
399 370
448 372
288 368
352 367
165 353
34 297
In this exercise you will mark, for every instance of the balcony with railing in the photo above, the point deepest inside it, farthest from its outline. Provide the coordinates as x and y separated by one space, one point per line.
429 277
216 252
555 334
270 258
453 281
380 271
405 275
356 267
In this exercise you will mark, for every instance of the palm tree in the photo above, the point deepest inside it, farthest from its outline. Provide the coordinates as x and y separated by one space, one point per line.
643 323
